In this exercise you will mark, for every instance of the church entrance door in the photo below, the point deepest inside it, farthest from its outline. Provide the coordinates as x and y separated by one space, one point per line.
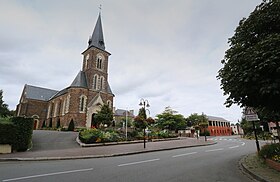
92 121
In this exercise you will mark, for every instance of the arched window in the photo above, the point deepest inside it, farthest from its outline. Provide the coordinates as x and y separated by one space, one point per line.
95 82
67 104
109 103
101 83
99 61
86 61
63 107
83 100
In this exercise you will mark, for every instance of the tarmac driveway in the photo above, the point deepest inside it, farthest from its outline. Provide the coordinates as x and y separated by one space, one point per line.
53 140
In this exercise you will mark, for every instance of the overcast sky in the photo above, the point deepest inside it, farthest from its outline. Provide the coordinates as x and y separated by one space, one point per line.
165 51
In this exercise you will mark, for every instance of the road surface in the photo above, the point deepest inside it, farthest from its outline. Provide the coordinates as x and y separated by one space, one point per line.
215 163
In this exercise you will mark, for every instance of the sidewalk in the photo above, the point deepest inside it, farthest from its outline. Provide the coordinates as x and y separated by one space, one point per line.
103 151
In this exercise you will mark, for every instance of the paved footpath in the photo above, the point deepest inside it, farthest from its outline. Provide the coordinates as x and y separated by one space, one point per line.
104 151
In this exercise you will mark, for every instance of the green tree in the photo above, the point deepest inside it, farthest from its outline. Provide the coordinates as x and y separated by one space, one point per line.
199 122
104 116
140 120
251 68
170 120
4 111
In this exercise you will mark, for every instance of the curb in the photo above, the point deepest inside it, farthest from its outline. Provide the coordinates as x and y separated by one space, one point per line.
100 156
246 169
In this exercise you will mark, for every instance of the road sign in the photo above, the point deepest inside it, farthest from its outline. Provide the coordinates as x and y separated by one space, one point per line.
250 114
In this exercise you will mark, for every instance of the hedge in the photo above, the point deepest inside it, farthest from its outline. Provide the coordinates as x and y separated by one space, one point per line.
23 134
7 133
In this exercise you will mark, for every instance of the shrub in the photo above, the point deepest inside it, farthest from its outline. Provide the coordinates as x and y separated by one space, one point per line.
206 132
23 134
270 150
97 136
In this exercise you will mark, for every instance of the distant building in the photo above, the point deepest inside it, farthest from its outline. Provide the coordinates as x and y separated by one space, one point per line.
236 129
272 128
121 114
218 126
81 100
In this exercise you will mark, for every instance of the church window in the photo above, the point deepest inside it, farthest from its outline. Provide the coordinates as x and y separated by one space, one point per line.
55 110
87 61
109 103
49 112
82 107
101 83
63 107
67 104
95 82
99 63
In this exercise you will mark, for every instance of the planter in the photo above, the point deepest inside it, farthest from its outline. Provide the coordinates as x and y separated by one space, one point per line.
5 149
273 164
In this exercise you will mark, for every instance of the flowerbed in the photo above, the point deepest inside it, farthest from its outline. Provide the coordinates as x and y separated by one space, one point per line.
271 154
92 136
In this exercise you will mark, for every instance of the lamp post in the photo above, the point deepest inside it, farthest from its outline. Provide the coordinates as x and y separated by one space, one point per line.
144 103
126 124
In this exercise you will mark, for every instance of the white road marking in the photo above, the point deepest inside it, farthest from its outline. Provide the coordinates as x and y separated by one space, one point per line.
234 147
139 162
180 155
214 150
48 174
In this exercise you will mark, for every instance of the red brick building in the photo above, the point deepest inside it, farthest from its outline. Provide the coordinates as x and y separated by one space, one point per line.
218 126
79 101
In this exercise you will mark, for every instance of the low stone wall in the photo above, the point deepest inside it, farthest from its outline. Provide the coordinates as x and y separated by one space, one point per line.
5 149
273 164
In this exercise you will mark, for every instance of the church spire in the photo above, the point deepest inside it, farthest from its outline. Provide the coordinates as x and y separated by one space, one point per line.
97 40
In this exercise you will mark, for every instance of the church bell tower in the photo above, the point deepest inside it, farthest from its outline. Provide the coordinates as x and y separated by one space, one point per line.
95 60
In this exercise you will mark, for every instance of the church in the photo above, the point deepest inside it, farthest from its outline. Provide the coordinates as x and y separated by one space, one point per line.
78 102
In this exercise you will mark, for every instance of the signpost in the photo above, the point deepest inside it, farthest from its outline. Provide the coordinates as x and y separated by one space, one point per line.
251 115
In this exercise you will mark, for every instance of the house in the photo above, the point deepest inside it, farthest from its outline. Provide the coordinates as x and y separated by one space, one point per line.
79 101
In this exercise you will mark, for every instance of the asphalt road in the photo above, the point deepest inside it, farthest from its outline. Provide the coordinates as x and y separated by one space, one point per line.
215 163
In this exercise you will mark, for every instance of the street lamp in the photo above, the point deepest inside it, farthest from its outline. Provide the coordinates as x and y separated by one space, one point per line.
144 103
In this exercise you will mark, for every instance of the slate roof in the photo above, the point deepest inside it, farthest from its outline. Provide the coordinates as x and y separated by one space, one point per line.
109 89
97 39
214 118
121 112
39 93
80 80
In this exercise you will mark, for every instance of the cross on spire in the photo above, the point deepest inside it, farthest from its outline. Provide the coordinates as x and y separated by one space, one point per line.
100 8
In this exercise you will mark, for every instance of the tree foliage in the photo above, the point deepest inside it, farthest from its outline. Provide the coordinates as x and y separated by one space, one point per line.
170 120
104 116
251 72
141 121
4 111
198 120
